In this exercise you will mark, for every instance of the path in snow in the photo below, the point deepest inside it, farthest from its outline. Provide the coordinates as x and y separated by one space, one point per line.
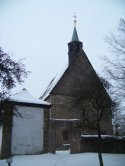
63 158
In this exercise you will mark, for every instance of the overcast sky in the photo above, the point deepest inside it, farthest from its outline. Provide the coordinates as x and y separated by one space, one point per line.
39 30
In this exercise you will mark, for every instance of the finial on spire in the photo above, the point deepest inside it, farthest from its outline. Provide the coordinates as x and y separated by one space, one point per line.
75 19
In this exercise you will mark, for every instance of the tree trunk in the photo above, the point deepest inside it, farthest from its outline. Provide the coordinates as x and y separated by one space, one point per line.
116 130
99 148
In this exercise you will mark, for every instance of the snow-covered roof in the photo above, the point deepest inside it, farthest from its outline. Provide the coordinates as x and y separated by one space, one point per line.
52 84
25 97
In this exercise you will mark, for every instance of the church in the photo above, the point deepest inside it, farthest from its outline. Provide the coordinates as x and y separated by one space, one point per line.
58 118
64 93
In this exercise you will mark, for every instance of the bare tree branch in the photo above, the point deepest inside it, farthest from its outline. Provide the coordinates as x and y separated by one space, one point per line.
11 73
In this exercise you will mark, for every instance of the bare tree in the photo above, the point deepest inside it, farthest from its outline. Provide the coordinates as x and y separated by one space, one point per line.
94 104
11 73
118 119
121 129
116 65
115 72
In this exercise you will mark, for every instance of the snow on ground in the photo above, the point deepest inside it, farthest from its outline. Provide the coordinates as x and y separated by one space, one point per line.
63 158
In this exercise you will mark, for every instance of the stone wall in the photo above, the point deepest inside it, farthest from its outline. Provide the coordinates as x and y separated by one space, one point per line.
46 131
56 142
75 144
63 107
109 144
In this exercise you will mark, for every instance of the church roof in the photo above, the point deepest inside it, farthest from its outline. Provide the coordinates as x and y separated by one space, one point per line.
56 79
52 84
25 97
75 35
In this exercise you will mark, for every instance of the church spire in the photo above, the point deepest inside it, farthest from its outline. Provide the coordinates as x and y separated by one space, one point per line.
75 45
75 35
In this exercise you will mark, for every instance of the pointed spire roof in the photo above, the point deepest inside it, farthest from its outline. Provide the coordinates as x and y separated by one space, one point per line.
75 35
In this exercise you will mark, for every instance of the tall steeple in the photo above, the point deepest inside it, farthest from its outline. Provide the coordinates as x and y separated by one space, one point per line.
75 45
75 35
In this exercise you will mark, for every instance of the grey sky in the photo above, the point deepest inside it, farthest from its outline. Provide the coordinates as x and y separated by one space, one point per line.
39 30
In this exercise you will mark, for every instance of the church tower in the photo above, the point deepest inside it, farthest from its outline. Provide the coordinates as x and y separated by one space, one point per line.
74 46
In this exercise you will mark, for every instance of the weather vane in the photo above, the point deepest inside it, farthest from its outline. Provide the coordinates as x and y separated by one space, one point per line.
75 19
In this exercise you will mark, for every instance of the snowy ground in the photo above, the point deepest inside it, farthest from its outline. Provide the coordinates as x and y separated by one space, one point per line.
63 158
